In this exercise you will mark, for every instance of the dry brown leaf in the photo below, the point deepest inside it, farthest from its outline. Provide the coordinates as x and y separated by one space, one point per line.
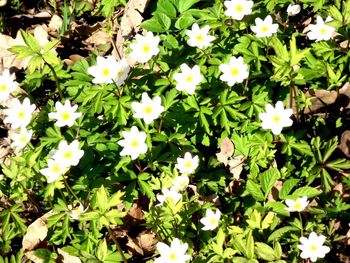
344 145
143 244
273 196
43 14
55 23
98 38
67 258
322 98
36 233
226 150
72 59
236 166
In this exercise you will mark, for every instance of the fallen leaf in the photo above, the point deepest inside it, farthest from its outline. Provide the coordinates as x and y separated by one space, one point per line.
98 38
55 23
226 150
344 145
143 244
35 235
236 166
273 196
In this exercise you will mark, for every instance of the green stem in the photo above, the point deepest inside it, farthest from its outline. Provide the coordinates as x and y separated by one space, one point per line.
56 79
301 223
117 245
69 188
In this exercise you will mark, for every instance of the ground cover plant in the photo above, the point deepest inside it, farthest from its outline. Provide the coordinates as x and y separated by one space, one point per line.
175 131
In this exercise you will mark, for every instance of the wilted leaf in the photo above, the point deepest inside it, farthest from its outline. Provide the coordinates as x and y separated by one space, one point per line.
143 244
226 150
67 258
236 166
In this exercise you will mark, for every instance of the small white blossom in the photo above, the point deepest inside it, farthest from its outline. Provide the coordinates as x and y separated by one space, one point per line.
180 183
188 78
108 70
313 247
54 170
175 253
65 114
19 114
76 212
187 165
145 47
276 118
211 219
320 31
198 37
293 10
264 28
133 143
7 84
68 154
237 9
148 109
170 196
234 72
21 139
297 205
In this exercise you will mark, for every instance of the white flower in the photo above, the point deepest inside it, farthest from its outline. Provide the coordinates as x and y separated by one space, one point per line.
199 36
293 10
109 70
169 195
19 114
180 183
297 205
133 143
65 114
320 31
145 47
211 219
276 118
264 28
148 109
21 139
187 165
188 78
122 71
68 154
54 170
76 212
237 9
176 253
312 247
7 84
234 72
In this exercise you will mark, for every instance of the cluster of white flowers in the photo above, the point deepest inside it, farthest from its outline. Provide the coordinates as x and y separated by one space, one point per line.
61 159
175 253
65 114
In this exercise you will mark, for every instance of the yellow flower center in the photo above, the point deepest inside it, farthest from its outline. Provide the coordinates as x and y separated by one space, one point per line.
146 48
120 73
239 8
323 31
68 155
297 206
65 116
134 143
173 256
188 164
3 87
276 118
23 139
55 169
313 248
199 38
264 29
234 72
189 78
21 115
148 110
105 72
213 221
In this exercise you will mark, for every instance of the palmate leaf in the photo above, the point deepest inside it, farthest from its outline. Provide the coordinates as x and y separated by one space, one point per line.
268 179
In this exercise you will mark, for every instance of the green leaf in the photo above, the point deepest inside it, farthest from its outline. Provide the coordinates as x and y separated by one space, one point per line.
306 191
146 189
276 235
186 4
152 25
166 7
115 199
267 220
254 190
163 20
101 252
335 13
287 187
268 179
31 42
101 199
254 220
264 251
184 21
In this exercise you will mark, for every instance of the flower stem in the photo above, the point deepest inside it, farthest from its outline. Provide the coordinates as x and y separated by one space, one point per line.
117 245
301 223
69 188
56 79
